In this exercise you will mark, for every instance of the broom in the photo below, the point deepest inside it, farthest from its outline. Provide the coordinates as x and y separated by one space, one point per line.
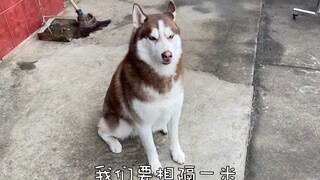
87 22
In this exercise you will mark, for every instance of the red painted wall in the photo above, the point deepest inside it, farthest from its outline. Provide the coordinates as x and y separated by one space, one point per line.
20 18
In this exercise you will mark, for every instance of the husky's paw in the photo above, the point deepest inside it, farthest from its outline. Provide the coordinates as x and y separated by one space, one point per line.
115 146
155 166
178 156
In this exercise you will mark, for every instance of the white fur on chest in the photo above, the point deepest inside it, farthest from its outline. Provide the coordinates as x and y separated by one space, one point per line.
158 112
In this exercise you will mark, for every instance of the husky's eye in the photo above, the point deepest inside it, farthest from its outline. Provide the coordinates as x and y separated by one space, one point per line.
152 38
170 37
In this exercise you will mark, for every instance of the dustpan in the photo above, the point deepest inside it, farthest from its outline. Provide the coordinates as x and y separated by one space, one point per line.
59 29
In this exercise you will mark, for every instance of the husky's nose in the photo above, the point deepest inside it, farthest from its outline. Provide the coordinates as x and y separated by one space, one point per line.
166 56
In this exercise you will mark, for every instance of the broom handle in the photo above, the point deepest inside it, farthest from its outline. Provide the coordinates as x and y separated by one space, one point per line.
74 5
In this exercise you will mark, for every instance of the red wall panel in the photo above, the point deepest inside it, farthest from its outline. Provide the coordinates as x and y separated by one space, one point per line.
32 14
8 3
1 9
20 18
46 7
17 23
57 6
6 41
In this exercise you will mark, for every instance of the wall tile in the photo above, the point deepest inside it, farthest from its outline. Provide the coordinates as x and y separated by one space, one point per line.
17 23
57 6
46 7
8 3
32 14
1 9
6 42
20 18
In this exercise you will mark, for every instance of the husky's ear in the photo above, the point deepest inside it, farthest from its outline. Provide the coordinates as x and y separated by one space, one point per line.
172 9
138 16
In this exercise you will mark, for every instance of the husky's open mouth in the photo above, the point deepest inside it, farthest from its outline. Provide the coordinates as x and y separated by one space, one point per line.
166 62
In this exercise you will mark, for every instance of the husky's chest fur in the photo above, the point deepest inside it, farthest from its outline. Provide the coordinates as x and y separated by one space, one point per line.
160 107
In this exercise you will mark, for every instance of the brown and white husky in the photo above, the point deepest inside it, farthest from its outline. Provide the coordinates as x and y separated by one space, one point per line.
146 93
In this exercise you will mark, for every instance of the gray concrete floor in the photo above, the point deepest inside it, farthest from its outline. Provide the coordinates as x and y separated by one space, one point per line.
51 93
285 142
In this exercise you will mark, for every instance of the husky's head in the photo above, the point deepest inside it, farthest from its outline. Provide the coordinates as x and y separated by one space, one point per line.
157 39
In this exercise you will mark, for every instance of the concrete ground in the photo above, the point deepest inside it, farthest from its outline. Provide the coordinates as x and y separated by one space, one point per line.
51 93
285 142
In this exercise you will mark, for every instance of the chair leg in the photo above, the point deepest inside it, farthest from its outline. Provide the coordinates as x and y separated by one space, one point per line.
296 11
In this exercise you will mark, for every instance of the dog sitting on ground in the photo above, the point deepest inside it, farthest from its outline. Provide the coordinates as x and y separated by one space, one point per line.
146 92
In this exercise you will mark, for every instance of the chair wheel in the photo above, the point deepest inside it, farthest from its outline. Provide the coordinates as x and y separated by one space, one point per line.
294 15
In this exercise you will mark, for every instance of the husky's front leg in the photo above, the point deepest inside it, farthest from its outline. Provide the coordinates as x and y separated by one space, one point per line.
173 126
146 136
